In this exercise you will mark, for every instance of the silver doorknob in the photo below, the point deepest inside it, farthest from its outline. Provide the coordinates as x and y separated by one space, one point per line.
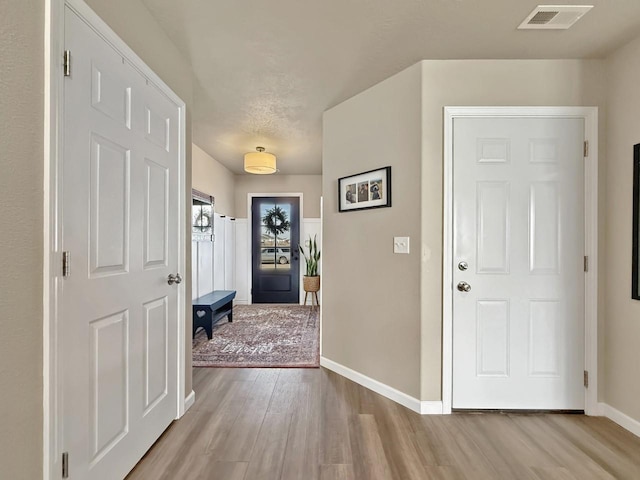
177 279
464 287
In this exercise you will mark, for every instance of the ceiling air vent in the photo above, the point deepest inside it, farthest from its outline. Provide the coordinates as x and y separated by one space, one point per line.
554 16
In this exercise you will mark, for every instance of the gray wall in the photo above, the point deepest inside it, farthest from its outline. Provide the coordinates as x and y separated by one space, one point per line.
482 82
399 122
21 233
213 178
622 334
371 318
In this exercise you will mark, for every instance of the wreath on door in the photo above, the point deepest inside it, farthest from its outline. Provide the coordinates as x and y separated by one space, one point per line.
275 221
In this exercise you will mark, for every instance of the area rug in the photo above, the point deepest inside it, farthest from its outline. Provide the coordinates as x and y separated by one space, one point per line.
263 336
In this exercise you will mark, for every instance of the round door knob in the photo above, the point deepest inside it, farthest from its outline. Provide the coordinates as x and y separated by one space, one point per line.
177 279
464 287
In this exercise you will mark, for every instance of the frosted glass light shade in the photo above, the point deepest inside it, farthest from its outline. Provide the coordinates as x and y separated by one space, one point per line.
260 162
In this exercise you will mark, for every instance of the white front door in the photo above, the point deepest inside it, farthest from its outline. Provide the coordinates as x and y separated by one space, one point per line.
121 224
518 332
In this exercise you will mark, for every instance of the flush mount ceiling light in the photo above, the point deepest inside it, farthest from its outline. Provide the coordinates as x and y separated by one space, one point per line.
260 162
554 17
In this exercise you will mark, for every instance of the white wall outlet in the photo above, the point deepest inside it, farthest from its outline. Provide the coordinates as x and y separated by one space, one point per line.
400 244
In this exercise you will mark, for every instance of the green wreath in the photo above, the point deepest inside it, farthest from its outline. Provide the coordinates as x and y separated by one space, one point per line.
276 221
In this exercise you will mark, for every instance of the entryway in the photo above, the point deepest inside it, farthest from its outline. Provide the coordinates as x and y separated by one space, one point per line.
516 254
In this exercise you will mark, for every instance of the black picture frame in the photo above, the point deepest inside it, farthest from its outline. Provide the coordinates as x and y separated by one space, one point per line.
635 260
365 190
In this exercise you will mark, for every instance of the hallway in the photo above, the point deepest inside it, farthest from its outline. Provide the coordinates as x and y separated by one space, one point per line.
306 424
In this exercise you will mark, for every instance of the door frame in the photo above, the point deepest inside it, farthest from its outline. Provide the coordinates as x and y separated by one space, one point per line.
590 117
250 197
52 212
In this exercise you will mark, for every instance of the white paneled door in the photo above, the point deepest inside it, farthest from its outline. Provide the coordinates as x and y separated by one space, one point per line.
121 226
518 309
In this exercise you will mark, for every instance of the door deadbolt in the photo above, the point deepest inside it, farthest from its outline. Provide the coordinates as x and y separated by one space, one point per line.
463 266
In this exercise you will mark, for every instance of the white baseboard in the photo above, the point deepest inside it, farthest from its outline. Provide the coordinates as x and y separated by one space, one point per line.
421 407
189 401
622 419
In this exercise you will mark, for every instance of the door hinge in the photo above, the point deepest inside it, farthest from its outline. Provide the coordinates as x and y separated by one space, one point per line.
65 465
586 379
66 264
67 63
586 148
586 263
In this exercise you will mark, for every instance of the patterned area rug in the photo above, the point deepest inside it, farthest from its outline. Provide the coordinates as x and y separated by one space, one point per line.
277 336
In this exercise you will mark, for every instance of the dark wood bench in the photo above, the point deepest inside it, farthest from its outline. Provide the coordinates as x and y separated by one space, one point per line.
211 308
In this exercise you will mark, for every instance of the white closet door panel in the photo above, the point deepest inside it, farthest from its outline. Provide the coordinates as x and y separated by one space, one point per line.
194 270
218 252
205 268
242 255
229 254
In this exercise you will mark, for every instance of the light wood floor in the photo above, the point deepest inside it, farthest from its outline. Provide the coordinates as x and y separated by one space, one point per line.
311 424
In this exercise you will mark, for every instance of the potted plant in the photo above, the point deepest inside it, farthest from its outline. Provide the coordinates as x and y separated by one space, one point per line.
311 281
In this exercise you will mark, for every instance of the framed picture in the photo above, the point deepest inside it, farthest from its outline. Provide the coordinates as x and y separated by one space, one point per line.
370 189
635 256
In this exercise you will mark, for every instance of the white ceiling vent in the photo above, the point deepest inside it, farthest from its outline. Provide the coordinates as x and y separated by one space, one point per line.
554 16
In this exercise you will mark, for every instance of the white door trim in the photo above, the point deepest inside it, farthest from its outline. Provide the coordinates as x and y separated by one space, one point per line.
590 116
250 197
53 147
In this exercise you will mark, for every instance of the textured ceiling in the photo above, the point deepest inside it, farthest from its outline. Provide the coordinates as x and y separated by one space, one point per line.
265 70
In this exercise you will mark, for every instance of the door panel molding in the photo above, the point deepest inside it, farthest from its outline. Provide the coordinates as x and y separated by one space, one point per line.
590 117
52 254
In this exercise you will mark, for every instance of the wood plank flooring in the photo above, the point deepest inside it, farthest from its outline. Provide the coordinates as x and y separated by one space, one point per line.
312 424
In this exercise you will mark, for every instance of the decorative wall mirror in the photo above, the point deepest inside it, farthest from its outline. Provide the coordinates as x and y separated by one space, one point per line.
635 266
202 216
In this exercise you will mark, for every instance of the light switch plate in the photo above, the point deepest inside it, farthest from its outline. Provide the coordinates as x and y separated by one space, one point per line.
400 244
